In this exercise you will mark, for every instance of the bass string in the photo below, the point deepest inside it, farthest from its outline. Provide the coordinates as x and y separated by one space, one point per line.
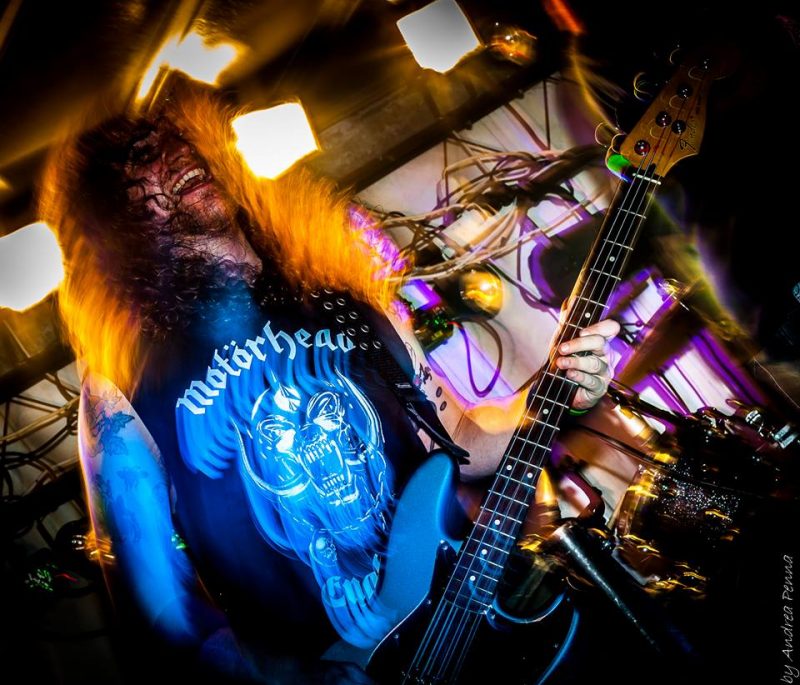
542 438
454 620
639 201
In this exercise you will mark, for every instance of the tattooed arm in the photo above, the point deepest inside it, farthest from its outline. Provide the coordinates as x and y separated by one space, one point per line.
483 428
128 494
129 504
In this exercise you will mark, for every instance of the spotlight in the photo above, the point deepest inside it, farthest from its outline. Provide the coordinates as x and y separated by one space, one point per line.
200 61
30 266
193 57
439 35
272 140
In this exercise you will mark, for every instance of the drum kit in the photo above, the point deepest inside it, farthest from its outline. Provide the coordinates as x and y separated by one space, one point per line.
714 449
699 484
712 464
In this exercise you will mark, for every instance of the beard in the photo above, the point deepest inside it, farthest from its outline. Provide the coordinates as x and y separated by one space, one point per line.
201 239
196 227
188 226
182 272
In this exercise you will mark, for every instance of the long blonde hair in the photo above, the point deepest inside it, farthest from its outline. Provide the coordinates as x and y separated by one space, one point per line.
114 281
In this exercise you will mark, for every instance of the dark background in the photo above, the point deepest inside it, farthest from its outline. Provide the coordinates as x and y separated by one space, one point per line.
376 109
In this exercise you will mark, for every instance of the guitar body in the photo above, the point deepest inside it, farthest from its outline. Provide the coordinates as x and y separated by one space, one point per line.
420 557
505 649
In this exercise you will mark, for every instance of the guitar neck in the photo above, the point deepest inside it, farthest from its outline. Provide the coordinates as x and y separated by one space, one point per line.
505 507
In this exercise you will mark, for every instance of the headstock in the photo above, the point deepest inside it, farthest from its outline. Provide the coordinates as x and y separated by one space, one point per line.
672 127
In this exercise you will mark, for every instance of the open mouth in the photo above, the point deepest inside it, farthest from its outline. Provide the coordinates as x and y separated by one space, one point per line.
191 180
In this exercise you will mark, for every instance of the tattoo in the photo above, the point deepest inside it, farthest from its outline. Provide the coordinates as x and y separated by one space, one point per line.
102 487
130 477
123 525
105 422
422 373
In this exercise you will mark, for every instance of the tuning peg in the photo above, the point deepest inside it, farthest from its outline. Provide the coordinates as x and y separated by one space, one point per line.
645 87
617 142
605 134
676 54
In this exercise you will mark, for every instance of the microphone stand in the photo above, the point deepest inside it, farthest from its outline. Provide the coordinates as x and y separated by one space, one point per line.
589 555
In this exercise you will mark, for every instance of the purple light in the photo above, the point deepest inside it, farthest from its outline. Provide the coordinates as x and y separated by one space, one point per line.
420 294
376 240
465 371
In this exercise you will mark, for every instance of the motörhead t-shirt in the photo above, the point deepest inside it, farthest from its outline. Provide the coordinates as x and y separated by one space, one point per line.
285 450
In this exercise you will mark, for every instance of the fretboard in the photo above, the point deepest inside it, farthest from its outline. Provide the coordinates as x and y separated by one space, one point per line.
484 553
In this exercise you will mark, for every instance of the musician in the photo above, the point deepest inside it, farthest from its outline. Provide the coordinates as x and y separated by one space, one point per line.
240 437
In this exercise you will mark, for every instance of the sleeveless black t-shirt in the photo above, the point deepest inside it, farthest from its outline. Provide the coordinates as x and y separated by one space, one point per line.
285 449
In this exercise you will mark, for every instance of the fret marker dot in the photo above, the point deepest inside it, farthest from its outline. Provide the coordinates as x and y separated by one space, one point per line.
484 551
528 475
611 258
586 315
508 468
545 411
472 579
497 522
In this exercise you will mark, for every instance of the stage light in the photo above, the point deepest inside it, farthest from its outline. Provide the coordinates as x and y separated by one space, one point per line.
439 35
30 266
272 140
564 17
4 185
200 61
191 56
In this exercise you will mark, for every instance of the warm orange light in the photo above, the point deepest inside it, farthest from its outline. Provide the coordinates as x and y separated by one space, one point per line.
95 548
439 35
272 140
200 61
716 513
30 266
498 415
545 491
642 491
636 426
4 185
664 458
193 57
513 43
564 17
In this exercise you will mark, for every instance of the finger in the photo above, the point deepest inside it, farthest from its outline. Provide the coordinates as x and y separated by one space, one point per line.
594 343
590 389
584 399
591 364
608 328
593 384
